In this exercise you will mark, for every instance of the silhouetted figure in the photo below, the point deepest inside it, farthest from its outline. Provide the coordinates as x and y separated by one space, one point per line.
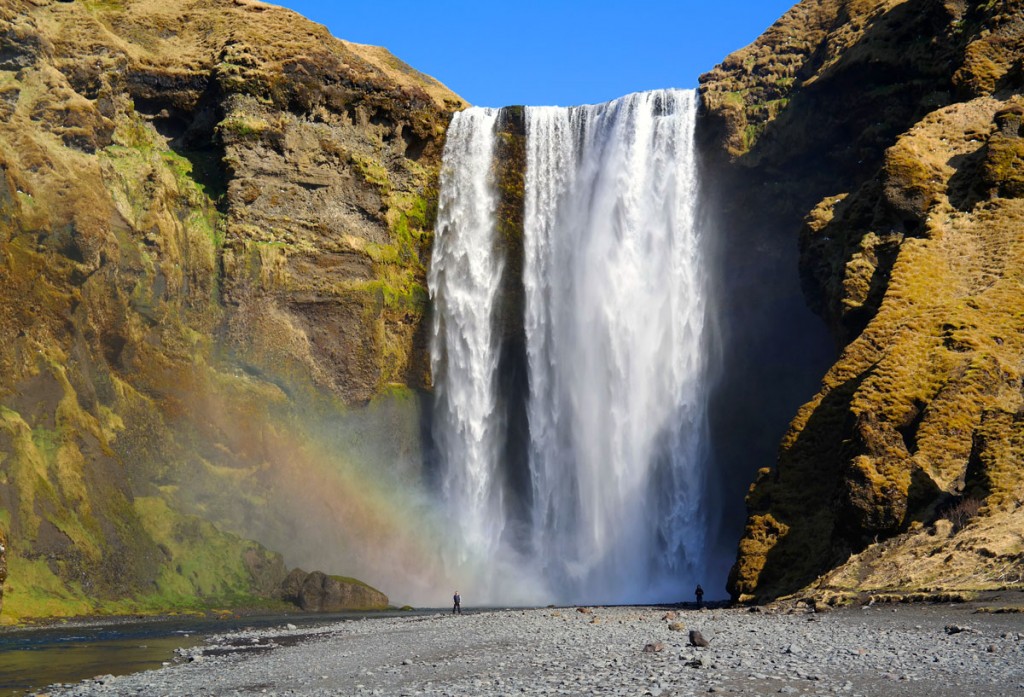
699 592
457 607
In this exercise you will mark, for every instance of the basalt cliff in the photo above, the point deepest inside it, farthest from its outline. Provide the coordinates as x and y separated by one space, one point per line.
882 143
214 220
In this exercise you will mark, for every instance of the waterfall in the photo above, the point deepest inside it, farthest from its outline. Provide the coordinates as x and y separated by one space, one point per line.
464 279
614 320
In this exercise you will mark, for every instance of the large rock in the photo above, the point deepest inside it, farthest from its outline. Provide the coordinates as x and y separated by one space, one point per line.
321 593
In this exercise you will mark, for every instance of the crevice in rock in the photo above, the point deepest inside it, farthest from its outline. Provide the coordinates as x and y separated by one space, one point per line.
414 145
908 430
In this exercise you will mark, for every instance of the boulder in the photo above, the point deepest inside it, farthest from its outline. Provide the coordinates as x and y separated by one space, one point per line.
697 639
291 586
319 592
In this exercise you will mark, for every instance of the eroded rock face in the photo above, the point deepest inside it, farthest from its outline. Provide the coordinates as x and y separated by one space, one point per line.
902 120
214 225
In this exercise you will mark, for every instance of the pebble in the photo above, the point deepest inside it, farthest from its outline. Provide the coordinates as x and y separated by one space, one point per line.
846 652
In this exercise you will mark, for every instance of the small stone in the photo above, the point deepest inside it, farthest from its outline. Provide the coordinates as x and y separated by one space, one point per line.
676 627
584 610
788 690
290 627
697 639
794 649
654 647
991 648
407 662
670 616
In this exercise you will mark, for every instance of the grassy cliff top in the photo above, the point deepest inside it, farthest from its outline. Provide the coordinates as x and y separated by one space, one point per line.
189 36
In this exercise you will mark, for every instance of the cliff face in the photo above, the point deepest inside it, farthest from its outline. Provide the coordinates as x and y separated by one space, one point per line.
893 129
214 225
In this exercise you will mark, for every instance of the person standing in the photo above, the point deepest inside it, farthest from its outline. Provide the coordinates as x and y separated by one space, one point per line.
457 607
699 592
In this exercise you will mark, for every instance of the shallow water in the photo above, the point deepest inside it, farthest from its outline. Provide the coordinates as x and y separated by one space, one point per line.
33 658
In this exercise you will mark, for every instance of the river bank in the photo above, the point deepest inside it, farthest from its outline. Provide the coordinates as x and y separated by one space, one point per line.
74 649
898 651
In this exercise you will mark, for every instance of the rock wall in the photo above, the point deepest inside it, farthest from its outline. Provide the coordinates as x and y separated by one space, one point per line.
214 225
892 129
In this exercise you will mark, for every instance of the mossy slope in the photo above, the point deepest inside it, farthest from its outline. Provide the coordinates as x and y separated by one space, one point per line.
905 116
214 221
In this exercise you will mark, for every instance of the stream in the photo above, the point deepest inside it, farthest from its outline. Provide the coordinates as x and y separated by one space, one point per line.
36 657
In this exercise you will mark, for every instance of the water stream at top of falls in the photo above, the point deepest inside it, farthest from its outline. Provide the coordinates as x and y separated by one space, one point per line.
614 324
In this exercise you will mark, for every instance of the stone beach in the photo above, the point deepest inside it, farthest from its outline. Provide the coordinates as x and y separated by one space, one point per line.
892 650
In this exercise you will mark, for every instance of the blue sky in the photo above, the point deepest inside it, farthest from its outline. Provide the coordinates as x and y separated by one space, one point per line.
563 52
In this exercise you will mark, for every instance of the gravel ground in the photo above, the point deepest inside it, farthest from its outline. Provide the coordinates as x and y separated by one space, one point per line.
941 651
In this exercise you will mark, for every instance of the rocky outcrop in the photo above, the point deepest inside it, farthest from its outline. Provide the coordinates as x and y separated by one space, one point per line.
318 592
214 225
894 129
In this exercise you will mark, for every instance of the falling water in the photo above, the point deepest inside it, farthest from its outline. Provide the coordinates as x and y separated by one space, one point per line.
614 319
464 279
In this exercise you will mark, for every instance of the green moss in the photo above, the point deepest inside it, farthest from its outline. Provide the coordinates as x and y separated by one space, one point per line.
751 132
396 392
735 99
420 214
244 127
397 293
372 171
382 253
46 442
206 564
34 590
